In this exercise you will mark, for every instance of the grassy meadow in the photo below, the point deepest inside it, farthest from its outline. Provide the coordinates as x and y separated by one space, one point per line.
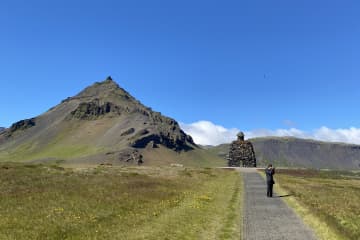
332 197
51 202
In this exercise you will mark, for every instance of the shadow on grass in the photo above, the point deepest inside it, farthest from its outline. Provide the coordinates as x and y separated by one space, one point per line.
281 196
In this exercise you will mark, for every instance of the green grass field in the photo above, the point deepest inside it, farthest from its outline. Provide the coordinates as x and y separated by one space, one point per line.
50 202
332 197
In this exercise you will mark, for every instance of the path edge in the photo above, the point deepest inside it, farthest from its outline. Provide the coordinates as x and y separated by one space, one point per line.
321 230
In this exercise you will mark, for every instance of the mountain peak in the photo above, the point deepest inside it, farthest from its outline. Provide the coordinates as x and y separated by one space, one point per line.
102 89
110 81
104 118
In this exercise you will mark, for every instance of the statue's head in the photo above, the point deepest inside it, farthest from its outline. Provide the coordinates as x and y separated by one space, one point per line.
241 136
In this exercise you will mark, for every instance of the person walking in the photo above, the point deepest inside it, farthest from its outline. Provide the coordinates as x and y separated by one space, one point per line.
270 171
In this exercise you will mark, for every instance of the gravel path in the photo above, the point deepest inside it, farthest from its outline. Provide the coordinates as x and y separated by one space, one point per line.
269 218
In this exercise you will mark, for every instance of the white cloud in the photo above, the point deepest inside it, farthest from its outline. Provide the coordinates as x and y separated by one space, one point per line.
293 132
347 135
208 133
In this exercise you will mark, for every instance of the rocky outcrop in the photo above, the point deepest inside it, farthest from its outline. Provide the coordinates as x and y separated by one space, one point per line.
94 109
160 130
170 133
132 156
22 125
241 153
128 132
170 141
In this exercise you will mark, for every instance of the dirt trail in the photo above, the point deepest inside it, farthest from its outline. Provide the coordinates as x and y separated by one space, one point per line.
269 218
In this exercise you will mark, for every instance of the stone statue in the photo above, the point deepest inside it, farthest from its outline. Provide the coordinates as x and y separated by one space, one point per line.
241 153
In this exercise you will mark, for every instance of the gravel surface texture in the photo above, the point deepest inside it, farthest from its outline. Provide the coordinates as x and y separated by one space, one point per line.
269 218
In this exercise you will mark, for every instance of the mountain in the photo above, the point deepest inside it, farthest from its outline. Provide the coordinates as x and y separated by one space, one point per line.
2 129
295 152
101 124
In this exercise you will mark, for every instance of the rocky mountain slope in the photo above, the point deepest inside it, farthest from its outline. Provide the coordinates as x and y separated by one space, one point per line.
101 124
295 152
2 129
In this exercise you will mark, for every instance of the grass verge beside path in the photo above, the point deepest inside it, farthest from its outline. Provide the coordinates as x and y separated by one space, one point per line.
50 202
328 201
211 212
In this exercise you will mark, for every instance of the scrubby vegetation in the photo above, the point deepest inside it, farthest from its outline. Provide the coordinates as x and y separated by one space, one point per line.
331 196
50 202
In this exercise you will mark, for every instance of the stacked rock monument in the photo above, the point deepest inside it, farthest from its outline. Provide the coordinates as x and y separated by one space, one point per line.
241 153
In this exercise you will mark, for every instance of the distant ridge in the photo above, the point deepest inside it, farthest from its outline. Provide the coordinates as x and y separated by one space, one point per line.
291 151
101 124
297 152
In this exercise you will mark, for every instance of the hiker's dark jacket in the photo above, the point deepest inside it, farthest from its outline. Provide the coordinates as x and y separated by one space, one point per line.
269 175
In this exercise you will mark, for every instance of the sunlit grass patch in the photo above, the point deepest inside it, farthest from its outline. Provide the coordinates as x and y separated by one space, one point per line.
50 202
332 197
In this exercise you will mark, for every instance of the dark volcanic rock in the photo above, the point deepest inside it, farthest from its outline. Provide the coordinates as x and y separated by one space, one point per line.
22 125
142 132
174 142
93 110
151 144
128 132
131 156
241 153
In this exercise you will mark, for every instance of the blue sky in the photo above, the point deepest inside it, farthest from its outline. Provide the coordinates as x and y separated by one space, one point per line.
257 66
